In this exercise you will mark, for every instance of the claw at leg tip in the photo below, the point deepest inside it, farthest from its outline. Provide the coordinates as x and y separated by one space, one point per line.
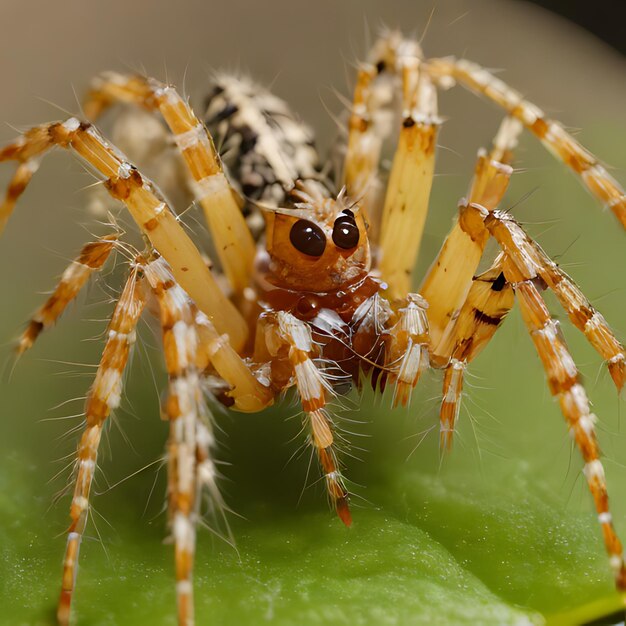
343 511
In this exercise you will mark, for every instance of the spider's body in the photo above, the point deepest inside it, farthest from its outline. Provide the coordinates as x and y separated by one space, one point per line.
322 293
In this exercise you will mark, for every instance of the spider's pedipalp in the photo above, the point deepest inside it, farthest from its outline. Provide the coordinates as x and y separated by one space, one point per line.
551 134
406 350
564 384
91 259
211 189
104 397
151 212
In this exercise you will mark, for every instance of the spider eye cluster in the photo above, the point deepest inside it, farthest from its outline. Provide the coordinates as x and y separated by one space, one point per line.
345 231
308 238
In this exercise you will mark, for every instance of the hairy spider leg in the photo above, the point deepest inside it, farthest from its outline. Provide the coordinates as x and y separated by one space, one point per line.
233 240
214 350
410 180
91 259
449 278
551 133
23 173
183 408
391 86
104 397
488 301
536 264
284 331
564 384
372 117
151 212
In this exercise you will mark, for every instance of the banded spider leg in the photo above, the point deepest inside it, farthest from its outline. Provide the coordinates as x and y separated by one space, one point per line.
233 241
180 269
285 337
553 136
104 397
151 213
465 310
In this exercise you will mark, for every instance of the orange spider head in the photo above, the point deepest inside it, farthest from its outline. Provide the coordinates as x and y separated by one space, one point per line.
320 245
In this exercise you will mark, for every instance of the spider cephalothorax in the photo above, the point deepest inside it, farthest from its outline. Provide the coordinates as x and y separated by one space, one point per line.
322 238
326 295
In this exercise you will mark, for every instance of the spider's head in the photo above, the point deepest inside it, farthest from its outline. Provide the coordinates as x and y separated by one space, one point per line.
320 245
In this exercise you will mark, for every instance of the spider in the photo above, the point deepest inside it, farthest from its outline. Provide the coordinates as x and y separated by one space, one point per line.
311 287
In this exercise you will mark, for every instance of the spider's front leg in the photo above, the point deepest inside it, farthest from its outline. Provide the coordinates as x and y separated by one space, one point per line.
564 383
488 301
191 344
233 240
150 211
104 396
284 338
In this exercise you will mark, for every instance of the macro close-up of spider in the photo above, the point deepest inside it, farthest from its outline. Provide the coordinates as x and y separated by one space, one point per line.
307 284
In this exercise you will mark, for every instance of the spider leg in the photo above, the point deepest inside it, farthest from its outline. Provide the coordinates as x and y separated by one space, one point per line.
447 282
391 85
406 350
552 134
104 396
152 214
23 173
286 331
372 116
192 344
233 240
247 393
564 384
534 264
90 260
410 180
182 408
488 301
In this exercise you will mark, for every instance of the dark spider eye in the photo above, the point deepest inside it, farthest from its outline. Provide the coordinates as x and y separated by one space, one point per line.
346 232
308 238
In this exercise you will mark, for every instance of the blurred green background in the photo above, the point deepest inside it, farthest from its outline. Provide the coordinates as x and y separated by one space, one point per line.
502 532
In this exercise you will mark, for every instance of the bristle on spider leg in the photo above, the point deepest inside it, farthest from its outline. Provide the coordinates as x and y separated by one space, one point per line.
103 398
564 384
90 260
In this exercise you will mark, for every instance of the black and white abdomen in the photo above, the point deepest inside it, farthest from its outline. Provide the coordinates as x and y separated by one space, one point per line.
263 145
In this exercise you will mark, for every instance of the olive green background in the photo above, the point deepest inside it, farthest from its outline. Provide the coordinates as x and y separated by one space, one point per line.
501 532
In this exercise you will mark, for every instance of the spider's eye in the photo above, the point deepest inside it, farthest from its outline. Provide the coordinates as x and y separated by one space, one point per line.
308 238
345 231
